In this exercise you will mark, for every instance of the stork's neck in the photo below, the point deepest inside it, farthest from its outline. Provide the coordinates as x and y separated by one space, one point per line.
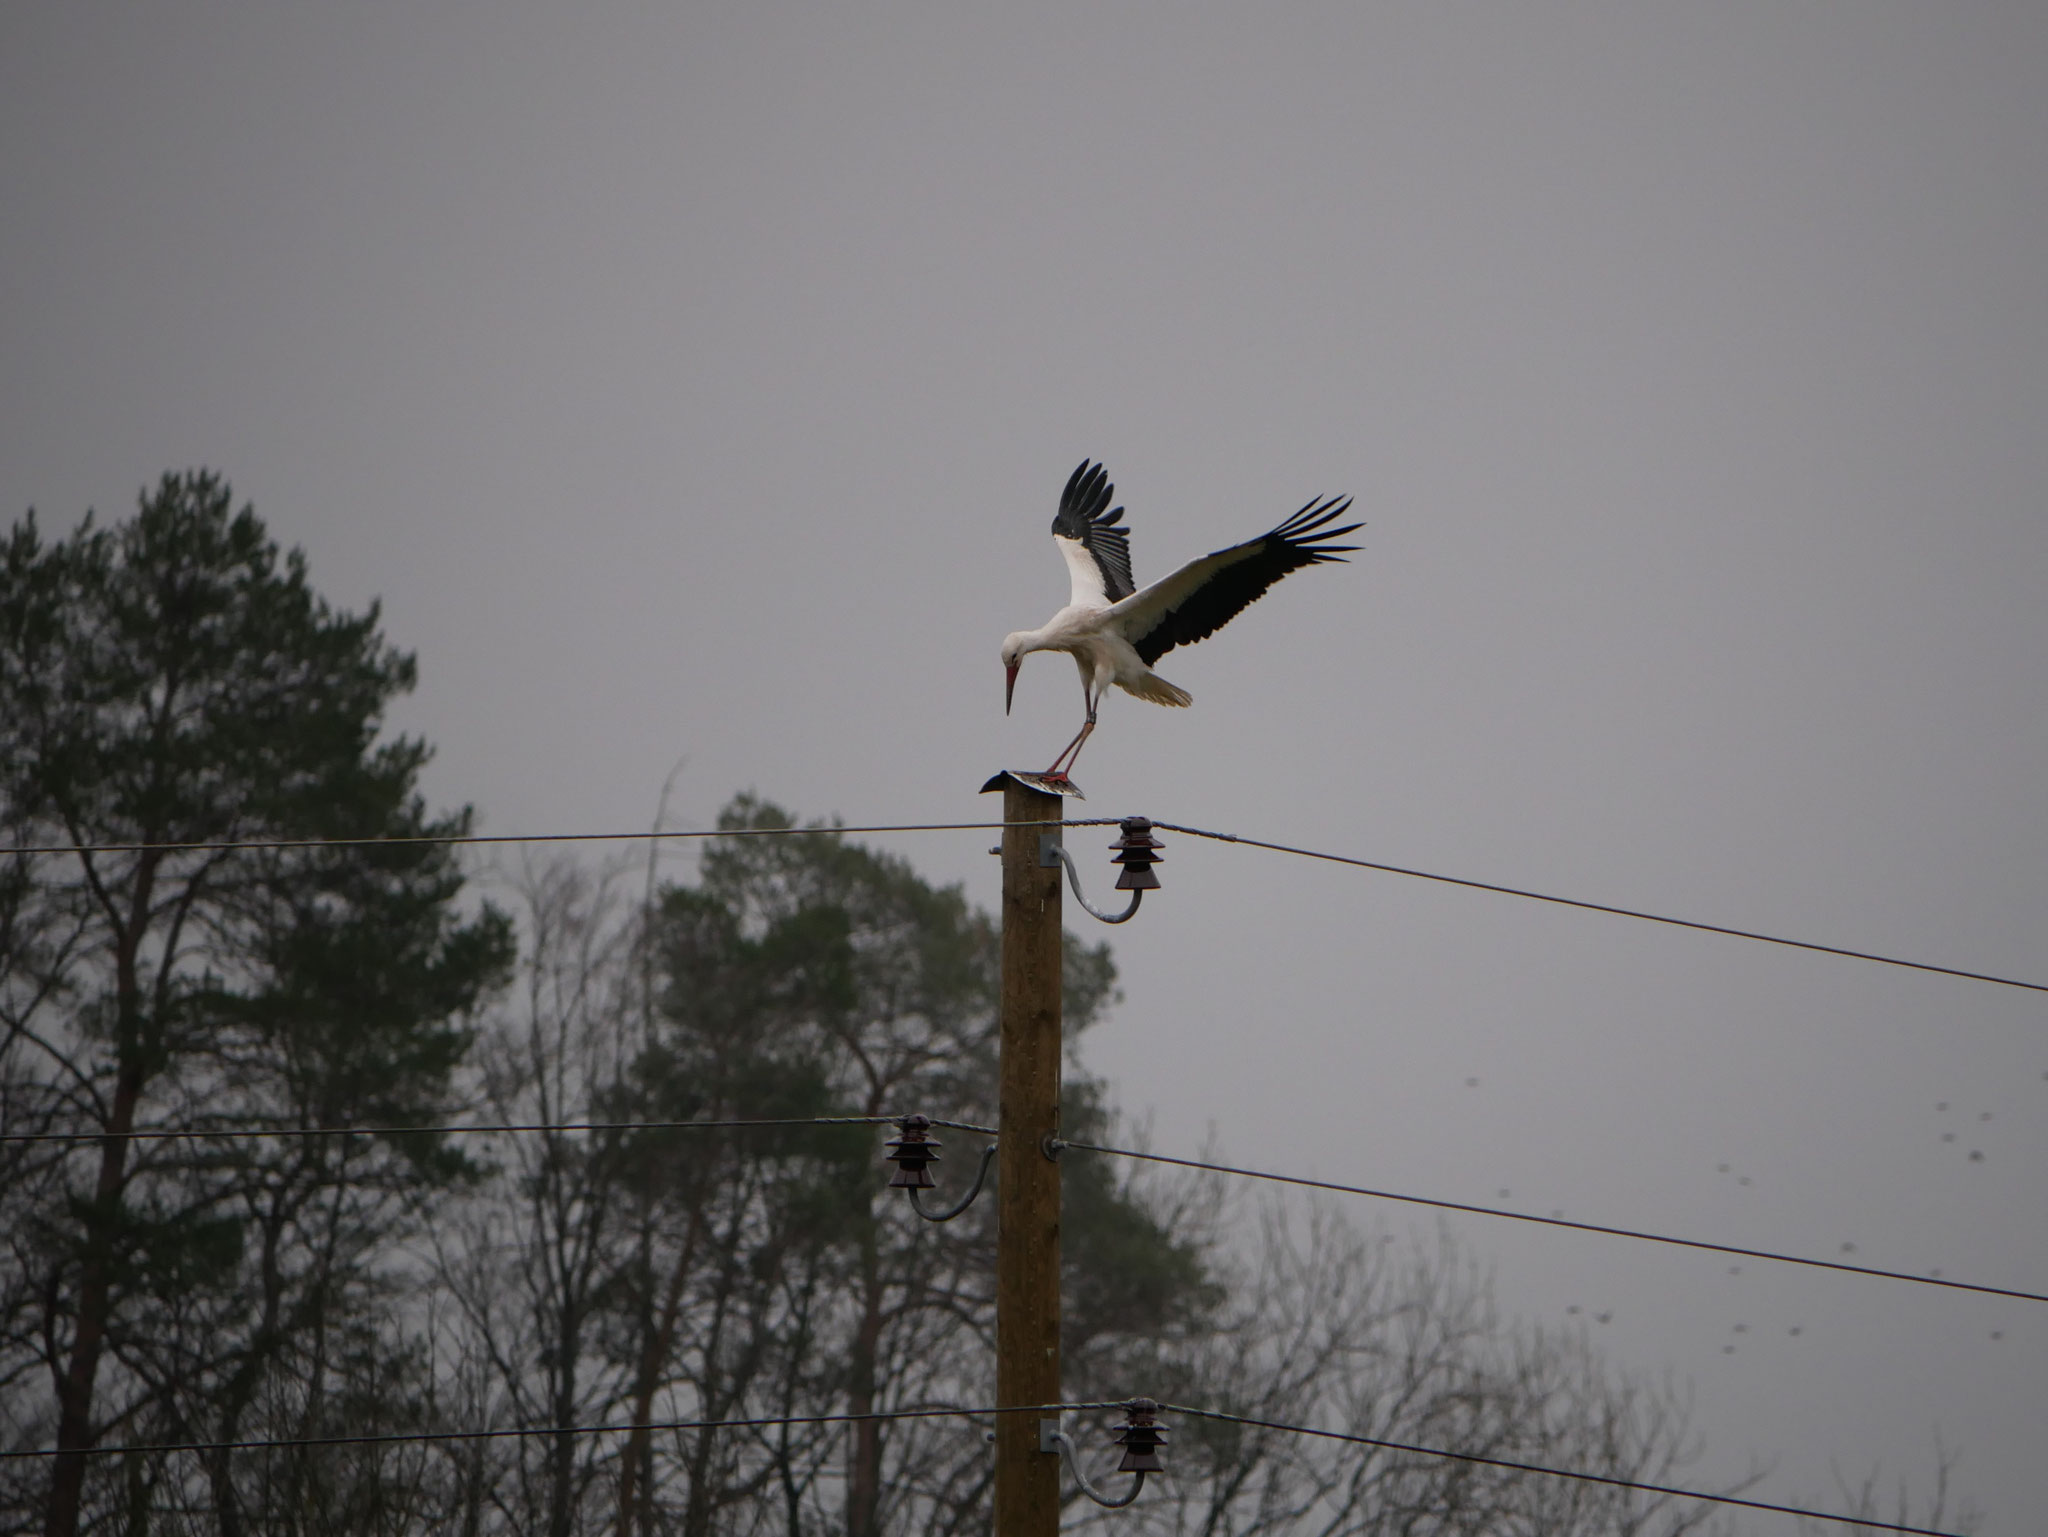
1065 631
1023 641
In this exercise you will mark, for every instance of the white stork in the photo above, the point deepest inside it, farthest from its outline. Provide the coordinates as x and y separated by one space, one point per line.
1114 632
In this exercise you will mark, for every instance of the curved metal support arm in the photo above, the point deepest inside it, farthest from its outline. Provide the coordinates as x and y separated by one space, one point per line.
1053 1439
966 1200
1051 851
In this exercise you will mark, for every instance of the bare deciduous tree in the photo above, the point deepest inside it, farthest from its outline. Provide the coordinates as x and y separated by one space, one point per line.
1331 1328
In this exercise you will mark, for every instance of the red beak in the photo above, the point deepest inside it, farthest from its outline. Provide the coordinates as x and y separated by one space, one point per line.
1009 686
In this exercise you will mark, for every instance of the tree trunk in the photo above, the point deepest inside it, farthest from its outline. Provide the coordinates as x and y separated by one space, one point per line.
636 1476
562 1453
74 1389
864 1462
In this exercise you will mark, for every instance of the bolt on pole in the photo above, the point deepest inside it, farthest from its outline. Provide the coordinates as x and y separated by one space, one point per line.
1027 1177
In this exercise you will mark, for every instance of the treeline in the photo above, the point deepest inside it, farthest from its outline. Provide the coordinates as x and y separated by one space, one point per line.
196 1326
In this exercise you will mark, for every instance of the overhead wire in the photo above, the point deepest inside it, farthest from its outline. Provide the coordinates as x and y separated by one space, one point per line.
513 1432
1582 904
1603 907
1557 1222
644 835
391 1438
1511 1465
166 1134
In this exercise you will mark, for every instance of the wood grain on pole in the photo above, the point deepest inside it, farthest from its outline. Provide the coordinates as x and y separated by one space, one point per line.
1028 1182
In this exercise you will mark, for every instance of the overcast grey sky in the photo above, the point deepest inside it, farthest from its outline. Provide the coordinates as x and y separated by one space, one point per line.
701 380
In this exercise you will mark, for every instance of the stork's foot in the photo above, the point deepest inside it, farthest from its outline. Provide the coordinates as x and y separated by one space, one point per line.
1051 784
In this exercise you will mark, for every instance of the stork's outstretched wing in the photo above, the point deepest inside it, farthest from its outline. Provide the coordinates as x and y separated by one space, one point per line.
1204 595
1097 546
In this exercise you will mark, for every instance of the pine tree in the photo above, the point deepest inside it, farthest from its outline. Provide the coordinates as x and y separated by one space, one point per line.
167 687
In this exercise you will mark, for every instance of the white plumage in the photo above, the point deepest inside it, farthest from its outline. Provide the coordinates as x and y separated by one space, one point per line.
1115 631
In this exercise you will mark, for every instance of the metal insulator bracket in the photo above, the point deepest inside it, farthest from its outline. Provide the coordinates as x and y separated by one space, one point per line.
1139 1435
1052 853
980 1176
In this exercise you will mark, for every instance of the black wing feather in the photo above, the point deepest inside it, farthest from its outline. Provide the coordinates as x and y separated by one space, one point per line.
1082 518
1300 541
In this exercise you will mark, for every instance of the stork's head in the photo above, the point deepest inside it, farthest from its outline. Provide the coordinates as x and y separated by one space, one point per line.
1014 647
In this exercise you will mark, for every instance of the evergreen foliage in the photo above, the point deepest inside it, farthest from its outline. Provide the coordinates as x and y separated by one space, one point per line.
166 683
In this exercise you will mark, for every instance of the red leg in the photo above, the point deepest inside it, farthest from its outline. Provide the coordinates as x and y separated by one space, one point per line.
1064 763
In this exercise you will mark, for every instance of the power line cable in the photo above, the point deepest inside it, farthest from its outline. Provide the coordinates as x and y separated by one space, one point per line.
1509 1464
391 1438
305 1443
158 1134
1525 893
162 1134
1603 907
232 844
1561 1222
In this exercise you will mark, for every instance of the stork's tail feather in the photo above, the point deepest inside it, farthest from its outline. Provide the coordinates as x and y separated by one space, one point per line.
1157 690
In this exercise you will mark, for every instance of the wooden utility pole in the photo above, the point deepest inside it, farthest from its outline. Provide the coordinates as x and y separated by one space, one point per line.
1027 1178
